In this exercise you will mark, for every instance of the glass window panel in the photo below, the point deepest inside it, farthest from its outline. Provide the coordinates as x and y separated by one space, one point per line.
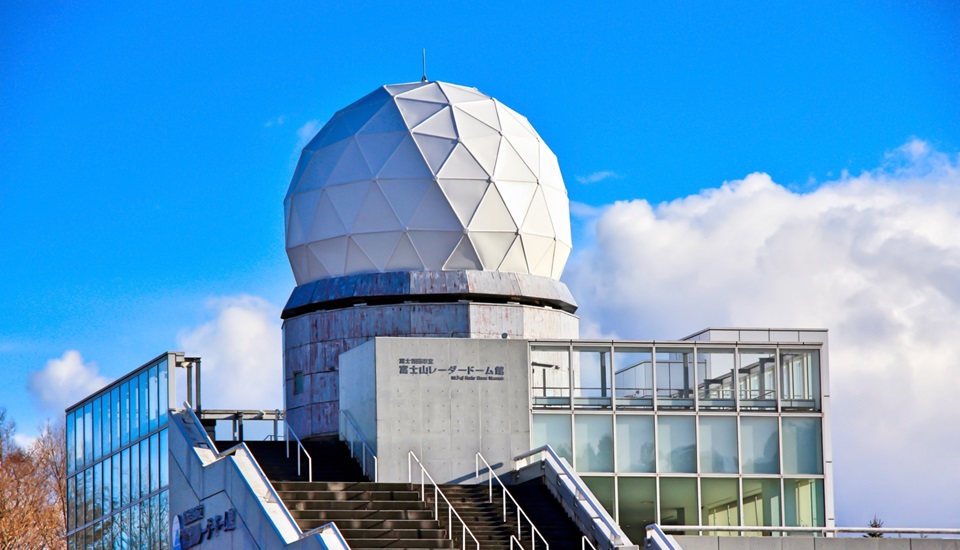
718 444
71 443
87 433
88 537
105 423
72 542
80 504
78 419
88 513
602 488
97 490
96 429
592 378
761 502
550 377
124 477
675 378
135 540
115 418
678 502
153 398
164 465
759 446
107 533
71 503
97 536
715 378
164 393
134 408
144 467
115 483
677 444
124 413
800 379
107 473
553 430
803 502
154 462
144 413
635 444
633 378
638 499
164 518
720 503
134 473
594 452
145 530
802 446
757 380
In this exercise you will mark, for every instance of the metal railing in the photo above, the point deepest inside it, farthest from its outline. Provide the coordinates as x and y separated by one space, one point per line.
491 475
659 540
437 495
821 531
583 495
515 543
331 536
345 420
585 542
289 431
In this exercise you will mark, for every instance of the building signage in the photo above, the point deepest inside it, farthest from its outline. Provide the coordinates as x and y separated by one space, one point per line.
189 530
420 366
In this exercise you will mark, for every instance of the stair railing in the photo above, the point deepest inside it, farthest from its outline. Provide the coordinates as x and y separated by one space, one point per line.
491 475
289 432
347 422
515 543
585 542
437 495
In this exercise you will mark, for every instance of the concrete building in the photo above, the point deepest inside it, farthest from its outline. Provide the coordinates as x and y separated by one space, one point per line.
431 339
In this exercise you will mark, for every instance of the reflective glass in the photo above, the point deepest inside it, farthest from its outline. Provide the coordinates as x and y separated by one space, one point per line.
761 502
678 501
97 536
107 411
88 511
134 472
759 447
97 491
592 378
164 517
71 443
125 477
164 466
715 378
154 462
757 380
720 503
718 444
78 420
145 527
135 540
144 413
124 413
638 497
803 502
87 433
154 396
553 430
677 445
550 377
71 503
802 446
80 508
115 483
107 533
594 443
134 408
97 423
675 377
115 418
633 378
635 444
164 393
144 467
602 488
800 379
107 473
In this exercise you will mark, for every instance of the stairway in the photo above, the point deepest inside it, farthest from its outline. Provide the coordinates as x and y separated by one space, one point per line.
483 518
331 460
548 515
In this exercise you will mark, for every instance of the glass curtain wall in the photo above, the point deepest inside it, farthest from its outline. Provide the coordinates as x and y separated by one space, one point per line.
741 446
117 470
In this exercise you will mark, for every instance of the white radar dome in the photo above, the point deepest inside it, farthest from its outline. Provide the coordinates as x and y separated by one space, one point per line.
426 177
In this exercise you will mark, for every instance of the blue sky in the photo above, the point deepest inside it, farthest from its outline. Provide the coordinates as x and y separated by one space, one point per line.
146 148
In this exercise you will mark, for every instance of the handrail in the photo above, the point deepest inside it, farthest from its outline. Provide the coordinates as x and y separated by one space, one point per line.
491 475
656 538
286 426
575 479
515 539
363 461
584 542
436 502
332 527
196 420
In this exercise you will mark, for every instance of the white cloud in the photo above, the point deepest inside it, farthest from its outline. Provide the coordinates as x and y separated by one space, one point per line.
241 353
875 258
277 121
64 381
24 441
598 177
305 133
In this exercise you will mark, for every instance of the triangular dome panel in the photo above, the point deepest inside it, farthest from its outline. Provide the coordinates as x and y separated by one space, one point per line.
406 162
325 223
347 199
428 92
517 195
485 150
378 247
435 149
404 257
377 148
352 166
509 125
457 94
484 111
510 166
405 196
537 248
514 261
492 214
545 267
318 171
434 212
396 89
440 124
415 112
298 261
464 196
559 206
469 127
463 257
302 209
434 247
314 268
560 255
550 175
332 254
537 220
333 131
462 165
386 120
358 114
492 247
357 260
375 215
529 150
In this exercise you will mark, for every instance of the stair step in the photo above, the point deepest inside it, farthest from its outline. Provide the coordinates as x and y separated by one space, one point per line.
409 544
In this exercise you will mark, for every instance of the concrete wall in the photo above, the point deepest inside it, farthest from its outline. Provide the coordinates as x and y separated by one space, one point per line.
442 399
231 482
814 543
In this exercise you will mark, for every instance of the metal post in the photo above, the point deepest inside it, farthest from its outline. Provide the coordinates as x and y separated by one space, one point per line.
199 405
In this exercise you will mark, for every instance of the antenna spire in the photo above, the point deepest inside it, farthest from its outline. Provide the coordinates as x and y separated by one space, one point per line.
424 58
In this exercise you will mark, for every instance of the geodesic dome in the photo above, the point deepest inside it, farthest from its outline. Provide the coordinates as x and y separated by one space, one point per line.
426 176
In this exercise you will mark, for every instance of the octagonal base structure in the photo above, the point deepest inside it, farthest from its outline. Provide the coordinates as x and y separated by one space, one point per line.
325 318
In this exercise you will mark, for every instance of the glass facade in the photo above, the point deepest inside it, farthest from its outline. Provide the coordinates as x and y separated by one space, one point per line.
688 433
117 469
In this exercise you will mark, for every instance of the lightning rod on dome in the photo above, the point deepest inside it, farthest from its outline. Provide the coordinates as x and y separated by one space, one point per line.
423 54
